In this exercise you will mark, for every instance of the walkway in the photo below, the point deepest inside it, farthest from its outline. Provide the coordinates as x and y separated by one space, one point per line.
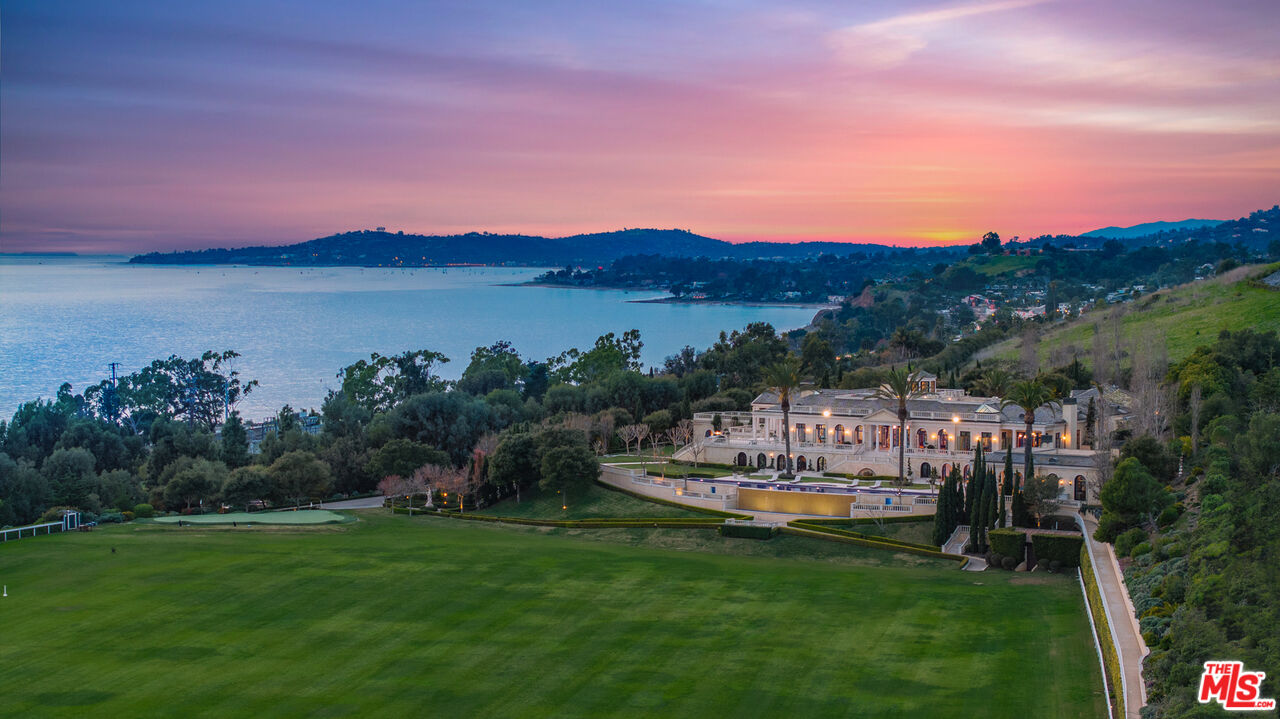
1120 614
363 503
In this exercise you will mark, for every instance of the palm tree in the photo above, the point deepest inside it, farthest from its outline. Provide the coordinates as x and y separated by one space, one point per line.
995 382
783 378
901 385
1028 396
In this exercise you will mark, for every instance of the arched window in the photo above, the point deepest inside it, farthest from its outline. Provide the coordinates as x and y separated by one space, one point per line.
762 461
840 438
708 433
925 470
857 435
822 464
946 470
742 459
942 439
968 469
800 464
1080 493
781 463
922 438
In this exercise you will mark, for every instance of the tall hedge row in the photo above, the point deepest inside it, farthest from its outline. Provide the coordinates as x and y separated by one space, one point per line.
1058 547
1009 543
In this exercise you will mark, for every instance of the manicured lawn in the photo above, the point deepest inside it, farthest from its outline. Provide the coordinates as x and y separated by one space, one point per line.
302 516
400 616
920 532
595 503
679 468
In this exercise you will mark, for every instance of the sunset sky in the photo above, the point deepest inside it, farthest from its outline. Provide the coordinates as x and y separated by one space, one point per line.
155 125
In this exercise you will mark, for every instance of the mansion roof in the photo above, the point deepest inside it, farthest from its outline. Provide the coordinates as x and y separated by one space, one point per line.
863 402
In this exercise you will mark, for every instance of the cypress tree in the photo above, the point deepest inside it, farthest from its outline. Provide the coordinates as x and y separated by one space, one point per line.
955 503
978 520
993 489
1002 509
1008 471
969 497
1020 514
943 515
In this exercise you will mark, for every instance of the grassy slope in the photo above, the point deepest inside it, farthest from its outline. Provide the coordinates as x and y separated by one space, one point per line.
1187 317
595 503
1001 264
396 616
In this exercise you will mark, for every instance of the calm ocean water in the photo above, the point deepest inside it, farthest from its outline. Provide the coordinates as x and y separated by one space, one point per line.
66 319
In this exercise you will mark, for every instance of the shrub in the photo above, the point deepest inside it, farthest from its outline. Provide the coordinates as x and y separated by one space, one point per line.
1140 549
1058 547
128 516
144 510
54 514
1055 566
1009 563
995 559
111 518
1109 527
1042 564
1125 543
1008 543
747 531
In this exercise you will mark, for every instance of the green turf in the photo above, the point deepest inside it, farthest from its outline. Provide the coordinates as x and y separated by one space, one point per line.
399 616
595 502
920 532
302 516
1184 317
679 468
1000 264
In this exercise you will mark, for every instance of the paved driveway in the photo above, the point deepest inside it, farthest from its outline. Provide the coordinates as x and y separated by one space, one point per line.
364 503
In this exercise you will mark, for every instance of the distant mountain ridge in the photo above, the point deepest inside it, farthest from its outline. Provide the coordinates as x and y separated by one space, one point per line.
378 248
370 248
1149 228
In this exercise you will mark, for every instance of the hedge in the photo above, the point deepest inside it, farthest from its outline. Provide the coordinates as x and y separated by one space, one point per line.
819 527
669 503
1058 547
747 531
684 473
663 522
896 519
852 538
872 478
1009 542
1110 658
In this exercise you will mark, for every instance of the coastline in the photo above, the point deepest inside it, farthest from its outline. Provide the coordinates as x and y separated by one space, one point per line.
672 300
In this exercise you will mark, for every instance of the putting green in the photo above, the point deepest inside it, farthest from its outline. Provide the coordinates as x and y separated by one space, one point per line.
302 516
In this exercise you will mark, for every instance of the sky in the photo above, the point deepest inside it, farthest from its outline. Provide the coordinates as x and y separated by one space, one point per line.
129 126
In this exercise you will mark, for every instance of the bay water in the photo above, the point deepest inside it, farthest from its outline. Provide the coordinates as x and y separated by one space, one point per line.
65 319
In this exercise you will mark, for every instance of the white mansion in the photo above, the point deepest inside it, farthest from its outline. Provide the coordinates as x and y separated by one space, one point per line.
853 432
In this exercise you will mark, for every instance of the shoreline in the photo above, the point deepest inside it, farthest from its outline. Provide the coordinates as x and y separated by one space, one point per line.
672 300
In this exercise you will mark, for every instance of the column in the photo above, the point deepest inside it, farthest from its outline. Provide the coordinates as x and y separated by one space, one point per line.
1070 414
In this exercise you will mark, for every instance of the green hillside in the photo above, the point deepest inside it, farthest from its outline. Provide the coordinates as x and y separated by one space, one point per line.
1186 316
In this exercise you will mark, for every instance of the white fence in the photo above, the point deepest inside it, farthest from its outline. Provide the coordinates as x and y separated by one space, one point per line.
872 508
69 521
